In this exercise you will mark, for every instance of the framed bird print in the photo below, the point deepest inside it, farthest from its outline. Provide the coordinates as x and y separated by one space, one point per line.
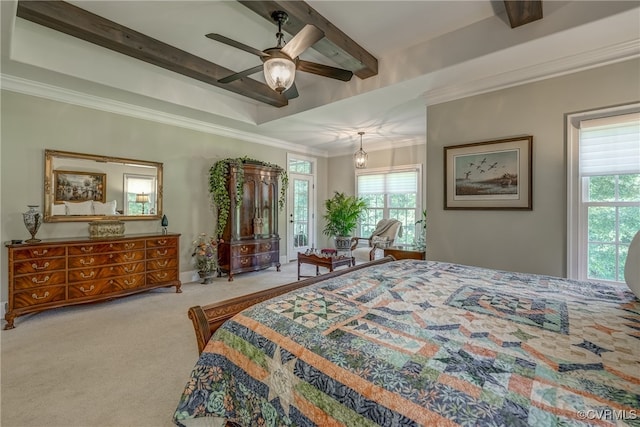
489 175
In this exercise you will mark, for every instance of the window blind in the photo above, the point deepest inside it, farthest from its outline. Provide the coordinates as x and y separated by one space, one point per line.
610 145
388 183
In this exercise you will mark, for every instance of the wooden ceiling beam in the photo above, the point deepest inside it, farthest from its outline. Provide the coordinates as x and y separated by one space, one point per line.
77 22
522 12
336 45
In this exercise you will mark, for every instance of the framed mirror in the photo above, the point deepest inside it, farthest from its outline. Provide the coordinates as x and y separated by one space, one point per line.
89 187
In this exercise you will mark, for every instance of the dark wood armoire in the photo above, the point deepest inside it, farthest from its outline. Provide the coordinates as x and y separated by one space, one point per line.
250 240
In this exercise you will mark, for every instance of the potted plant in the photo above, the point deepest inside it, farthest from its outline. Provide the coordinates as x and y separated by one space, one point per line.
205 257
342 216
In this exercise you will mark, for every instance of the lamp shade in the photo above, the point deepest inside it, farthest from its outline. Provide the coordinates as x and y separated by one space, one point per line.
279 72
142 198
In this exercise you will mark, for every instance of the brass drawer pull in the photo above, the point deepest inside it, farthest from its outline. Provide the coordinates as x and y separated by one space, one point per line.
163 253
87 276
36 281
245 261
129 257
111 245
133 282
163 264
87 290
127 270
162 242
89 249
46 294
37 267
268 246
40 254
244 249
83 262
129 245
162 275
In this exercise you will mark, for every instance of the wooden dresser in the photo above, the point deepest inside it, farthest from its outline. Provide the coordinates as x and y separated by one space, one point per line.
60 272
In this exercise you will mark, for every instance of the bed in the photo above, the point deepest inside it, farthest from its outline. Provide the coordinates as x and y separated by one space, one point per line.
408 343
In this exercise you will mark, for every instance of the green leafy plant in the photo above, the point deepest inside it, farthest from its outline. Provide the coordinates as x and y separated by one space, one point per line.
342 214
220 198
421 237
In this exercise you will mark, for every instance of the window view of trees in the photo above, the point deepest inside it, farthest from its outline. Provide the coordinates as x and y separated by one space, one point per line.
390 194
613 215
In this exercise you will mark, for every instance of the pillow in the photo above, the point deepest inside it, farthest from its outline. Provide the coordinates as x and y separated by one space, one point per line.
79 208
59 210
632 266
379 241
108 208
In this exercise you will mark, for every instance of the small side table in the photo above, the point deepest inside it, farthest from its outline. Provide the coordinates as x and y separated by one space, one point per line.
404 252
327 261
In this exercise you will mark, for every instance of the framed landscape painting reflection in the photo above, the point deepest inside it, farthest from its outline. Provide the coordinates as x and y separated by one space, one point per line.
489 175
72 186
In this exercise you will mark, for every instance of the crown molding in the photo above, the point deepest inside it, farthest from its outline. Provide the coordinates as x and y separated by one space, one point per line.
562 66
56 93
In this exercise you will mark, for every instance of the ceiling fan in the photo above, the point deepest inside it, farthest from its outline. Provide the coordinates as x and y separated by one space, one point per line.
280 62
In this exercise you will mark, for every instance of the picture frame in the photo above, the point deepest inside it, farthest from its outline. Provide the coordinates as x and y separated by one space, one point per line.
489 175
76 186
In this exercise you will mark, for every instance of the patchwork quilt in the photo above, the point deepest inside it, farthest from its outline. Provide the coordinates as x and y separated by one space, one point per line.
414 343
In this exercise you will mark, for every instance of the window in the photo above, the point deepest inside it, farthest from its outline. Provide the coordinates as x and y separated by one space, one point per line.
391 193
135 185
604 193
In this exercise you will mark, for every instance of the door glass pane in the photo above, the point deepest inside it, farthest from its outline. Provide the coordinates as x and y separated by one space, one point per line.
301 213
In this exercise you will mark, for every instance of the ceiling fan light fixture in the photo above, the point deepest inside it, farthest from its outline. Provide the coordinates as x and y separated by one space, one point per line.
279 73
360 157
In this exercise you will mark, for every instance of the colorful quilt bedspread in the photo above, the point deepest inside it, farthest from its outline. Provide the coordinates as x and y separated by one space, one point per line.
412 343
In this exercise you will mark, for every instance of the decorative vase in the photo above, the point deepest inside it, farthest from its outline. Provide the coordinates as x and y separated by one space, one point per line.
32 220
165 223
207 276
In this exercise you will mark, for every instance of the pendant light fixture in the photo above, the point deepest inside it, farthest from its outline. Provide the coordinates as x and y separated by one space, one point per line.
360 157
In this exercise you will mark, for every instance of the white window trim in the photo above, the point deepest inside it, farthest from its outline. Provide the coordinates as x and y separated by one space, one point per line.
576 257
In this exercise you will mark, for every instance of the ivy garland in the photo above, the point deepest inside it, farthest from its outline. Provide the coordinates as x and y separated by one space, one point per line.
218 186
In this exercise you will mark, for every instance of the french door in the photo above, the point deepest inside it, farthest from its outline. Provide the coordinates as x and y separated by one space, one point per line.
301 224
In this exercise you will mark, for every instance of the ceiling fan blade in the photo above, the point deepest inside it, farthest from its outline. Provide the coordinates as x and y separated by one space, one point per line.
226 40
292 92
241 74
324 70
305 38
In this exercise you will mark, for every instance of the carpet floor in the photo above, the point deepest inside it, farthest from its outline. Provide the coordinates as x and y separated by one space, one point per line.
119 363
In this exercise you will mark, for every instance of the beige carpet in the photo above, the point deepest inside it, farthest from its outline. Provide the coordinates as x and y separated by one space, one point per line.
119 363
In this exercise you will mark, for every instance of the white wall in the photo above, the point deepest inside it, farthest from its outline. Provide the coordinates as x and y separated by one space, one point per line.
529 241
32 124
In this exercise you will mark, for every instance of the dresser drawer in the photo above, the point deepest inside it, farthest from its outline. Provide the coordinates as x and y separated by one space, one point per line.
244 261
155 253
39 252
84 274
90 248
106 286
162 242
39 265
244 249
161 276
161 263
40 279
105 259
268 246
39 296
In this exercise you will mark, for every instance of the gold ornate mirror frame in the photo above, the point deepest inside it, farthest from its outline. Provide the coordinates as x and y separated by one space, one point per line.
71 180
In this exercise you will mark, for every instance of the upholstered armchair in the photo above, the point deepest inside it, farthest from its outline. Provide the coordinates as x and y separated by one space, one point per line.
385 234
